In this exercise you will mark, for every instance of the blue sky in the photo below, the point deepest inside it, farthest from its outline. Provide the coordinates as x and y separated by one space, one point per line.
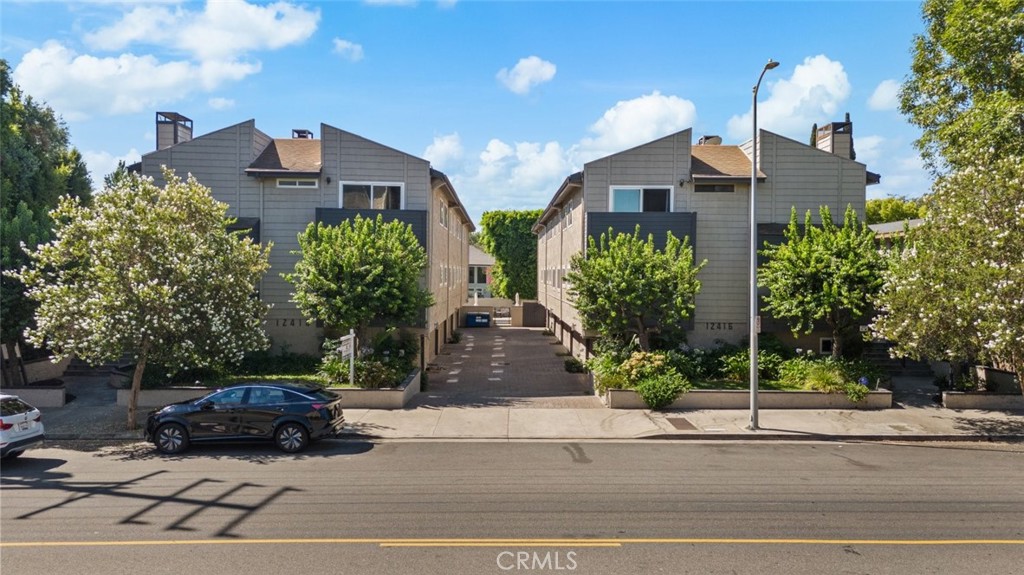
507 98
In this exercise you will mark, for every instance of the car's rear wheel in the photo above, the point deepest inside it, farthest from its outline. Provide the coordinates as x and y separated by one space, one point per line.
171 438
13 454
291 437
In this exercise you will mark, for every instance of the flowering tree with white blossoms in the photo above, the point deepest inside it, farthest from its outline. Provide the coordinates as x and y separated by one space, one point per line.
149 271
955 290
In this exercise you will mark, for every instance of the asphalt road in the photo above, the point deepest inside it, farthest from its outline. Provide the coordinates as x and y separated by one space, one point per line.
498 507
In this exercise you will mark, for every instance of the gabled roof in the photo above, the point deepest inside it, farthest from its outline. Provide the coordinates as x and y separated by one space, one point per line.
572 182
478 257
719 163
288 156
439 180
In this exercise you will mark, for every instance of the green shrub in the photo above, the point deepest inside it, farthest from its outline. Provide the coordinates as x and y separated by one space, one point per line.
374 374
573 365
661 390
829 376
644 364
736 365
456 337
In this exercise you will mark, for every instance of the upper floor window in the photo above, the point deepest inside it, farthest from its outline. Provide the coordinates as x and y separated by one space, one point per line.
443 214
630 199
298 183
373 196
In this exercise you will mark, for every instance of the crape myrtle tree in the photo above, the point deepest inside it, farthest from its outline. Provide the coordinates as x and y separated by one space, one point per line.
149 271
360 271
956 291
822 273
623 287
507 235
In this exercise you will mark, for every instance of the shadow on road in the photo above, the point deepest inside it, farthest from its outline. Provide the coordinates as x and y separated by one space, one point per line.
258 453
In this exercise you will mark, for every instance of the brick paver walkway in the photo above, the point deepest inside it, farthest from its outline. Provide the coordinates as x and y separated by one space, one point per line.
514 367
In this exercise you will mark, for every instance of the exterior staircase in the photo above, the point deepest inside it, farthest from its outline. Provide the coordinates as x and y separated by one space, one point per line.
83 369
877 353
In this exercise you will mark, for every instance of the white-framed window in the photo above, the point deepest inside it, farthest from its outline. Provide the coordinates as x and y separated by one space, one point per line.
825 346
372 195
443 214
298 183
640 198
567 216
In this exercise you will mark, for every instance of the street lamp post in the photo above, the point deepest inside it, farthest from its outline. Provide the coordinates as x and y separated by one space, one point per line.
753 256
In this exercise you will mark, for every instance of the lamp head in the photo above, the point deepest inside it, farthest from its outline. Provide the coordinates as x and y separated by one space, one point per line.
771 65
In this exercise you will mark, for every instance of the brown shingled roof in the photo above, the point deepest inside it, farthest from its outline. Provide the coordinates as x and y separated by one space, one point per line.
720 162
288 156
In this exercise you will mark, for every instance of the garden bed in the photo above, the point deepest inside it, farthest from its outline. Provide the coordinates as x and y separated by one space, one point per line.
352 398
735 399
385 398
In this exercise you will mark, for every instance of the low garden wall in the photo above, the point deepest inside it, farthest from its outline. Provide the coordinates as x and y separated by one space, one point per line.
395 398
45 368
39 395
982 400
352 398
740 399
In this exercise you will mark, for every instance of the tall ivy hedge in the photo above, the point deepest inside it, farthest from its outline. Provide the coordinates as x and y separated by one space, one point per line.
507 236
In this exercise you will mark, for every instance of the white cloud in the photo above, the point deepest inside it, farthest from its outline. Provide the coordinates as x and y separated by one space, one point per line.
221 103
526 74
214 43
633 122
225 29
812 94
79 85
102 163
886 96
444 151
869 148
348 50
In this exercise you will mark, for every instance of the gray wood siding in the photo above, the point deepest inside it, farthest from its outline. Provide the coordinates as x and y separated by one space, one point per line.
218 161
347 157
663 162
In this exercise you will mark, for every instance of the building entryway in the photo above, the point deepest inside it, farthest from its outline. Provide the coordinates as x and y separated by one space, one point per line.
505 366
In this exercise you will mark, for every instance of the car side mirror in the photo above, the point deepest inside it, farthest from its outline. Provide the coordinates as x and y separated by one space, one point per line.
206 404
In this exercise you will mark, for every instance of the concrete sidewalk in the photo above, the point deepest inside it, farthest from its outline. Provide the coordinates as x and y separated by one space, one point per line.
92 415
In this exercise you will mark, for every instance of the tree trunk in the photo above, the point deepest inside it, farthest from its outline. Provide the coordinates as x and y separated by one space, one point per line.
133 399
642 336
837 339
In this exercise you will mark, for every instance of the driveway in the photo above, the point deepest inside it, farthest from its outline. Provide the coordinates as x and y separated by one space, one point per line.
505 366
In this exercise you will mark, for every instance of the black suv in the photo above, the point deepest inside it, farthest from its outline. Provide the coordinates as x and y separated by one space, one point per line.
290 414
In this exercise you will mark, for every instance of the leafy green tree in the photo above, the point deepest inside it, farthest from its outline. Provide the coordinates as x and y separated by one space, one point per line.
114 178
38 166
625 287
360 271
955 290
966 87
149 271
822 273
896 209
507 236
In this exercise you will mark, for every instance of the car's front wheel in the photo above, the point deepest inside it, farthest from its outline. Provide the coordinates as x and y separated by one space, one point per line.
171 438
13 454
291 437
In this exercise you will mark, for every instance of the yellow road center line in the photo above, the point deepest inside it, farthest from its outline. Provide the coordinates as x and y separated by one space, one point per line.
512 542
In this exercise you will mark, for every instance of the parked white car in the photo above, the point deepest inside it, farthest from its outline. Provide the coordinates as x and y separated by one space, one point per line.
21 426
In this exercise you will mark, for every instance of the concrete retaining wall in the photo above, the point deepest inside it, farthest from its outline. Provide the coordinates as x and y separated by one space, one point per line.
39 396
982 400
43 369
351 398
714 399
380 398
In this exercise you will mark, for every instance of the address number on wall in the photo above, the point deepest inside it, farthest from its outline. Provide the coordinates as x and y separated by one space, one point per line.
719 326
286 322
